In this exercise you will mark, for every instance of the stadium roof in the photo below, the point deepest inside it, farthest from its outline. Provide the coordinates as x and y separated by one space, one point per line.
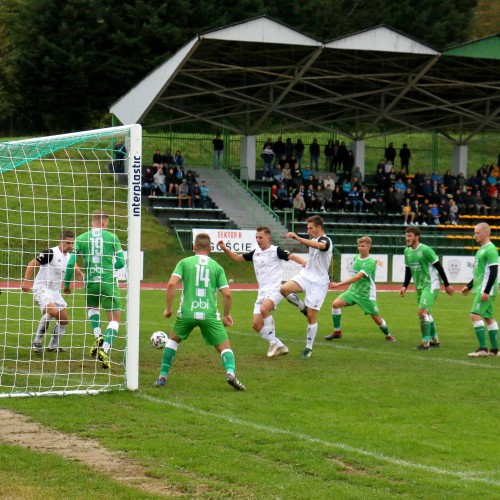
260 74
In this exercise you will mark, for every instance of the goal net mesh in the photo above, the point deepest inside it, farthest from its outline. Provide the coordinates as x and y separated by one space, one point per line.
49 184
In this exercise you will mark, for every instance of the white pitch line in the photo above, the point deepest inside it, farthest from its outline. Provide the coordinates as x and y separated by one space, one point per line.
466 476
390 352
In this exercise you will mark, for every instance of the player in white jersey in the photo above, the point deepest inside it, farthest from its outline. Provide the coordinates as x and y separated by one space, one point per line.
313 279
268 265
47 290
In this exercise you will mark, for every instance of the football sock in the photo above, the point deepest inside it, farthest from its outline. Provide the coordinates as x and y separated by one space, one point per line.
433 332
270 325
95 322
480 331
228 362
168 357
336 316
42 327
293 298
384 328
493 333
57 334
109 335
312 330
425 328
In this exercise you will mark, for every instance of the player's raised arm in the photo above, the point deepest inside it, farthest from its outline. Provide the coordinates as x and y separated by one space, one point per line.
236 257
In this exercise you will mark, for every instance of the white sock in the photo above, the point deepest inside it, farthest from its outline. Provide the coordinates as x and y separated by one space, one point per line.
312 330
294 299
57 334
43 324
271 334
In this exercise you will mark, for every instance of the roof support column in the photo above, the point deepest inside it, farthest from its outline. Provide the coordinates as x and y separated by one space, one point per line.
460 155
248 144
358 150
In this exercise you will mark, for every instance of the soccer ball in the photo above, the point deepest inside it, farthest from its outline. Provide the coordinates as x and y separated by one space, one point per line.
159 340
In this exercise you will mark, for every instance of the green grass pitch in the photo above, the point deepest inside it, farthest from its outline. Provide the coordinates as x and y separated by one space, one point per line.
363 418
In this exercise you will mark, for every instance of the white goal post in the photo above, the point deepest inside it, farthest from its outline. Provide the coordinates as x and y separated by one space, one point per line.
47 185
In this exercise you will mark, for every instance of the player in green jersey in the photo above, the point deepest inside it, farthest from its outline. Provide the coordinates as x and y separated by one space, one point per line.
201 278
101 253
485 285
362 291
422 263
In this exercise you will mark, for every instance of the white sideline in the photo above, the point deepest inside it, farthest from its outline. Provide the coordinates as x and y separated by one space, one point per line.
466 476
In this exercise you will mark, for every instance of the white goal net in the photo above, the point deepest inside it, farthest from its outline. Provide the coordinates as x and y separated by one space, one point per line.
48 185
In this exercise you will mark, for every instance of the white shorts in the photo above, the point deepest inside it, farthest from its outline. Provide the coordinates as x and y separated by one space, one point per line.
315 294
43 297
273 294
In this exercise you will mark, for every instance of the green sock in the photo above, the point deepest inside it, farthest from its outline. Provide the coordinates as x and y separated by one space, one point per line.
425 328
95 321
493 338
336 320
228 362
167 360
481 336
385 330
433 332
109 335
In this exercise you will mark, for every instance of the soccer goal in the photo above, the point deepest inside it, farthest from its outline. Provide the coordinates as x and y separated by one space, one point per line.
50 184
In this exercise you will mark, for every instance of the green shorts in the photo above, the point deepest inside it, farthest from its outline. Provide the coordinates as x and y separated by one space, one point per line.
212 330
368 306
105 295
484 309
426 298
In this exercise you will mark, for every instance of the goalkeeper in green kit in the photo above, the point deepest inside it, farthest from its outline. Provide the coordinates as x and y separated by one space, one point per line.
102 254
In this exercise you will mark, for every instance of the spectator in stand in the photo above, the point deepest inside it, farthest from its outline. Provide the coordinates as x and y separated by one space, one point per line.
349 164
282 161
171 181
479 206
410 194
400 185
342 155
310 197
283 201
355 200
364 195
274 197
218 150
338 199
449 181
190 178
268 156
454 212
299 151
157 159
328 198
320 198
388 166
400 198
380 178
482 171
402 174
306 174
346 187
196 195
441 194
469 202
436 176
404 156
459 200
425 209
473 182
427 189
329 154
297 175
390 179
417 210
494 204
407 212
418 181
278 173
184 193
167 159
179 162
287 175
444 211
379 207
206 201
299 207
381 164
159 180
314 152
356 172
391 202
278 149
148 183
461 182
288 149
434 214
390 154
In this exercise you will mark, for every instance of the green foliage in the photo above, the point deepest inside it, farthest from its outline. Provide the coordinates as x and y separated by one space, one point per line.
363 418
62 64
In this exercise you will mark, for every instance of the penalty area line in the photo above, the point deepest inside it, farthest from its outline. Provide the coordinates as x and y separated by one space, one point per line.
465 476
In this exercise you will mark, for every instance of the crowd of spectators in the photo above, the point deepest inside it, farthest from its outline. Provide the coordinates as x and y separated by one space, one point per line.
168 176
